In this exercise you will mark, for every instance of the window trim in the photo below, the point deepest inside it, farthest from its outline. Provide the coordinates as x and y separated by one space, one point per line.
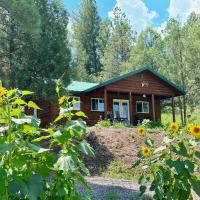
78 101
142 107
98 104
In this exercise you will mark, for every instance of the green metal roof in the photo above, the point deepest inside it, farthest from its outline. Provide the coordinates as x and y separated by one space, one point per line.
77 86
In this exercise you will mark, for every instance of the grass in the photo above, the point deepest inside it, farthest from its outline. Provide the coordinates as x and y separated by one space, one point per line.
166 118
118 170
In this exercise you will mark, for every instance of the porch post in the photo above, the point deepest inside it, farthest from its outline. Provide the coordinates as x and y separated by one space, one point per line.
153 107
105 103
173 110
130 108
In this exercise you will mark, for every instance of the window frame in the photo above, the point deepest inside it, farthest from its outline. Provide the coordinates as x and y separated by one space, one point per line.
102 99
143 107
73 98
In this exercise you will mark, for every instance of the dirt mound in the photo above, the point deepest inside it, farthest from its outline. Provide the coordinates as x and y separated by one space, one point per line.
114 144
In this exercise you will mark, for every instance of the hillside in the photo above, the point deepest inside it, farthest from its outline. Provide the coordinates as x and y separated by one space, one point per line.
114 144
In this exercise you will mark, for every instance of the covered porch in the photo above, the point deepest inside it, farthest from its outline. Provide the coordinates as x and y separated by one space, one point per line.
124 105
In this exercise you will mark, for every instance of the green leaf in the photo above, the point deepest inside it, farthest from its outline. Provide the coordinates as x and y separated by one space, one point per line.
189 165
66 163
196 186
31 104
149 142
16 112
197 154
11 92
180 149
26 92
182 184
32 187
37 148
176 166
86 148
59 118
78 127
41 138
142 189
19 102
142 179
80 114
136 163
4 147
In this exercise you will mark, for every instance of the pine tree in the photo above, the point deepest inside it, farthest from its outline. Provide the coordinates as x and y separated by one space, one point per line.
18 17
86 29
118 48
48 56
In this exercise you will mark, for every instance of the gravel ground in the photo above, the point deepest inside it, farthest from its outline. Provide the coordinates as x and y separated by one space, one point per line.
118 189
113 189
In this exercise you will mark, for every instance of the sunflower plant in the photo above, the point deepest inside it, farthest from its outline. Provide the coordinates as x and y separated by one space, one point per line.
27 169
172 169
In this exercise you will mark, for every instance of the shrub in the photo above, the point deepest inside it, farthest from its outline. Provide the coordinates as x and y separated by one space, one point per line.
151 124
117 124
172 167
28 171
104 123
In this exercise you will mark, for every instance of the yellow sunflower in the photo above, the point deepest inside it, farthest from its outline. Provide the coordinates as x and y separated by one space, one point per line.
195 131
2 91
142 132
174 127
189 127
145 151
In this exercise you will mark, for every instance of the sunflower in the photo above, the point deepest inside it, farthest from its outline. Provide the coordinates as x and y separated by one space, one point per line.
2 91
174 127
195 131
189 127
142 132
145 151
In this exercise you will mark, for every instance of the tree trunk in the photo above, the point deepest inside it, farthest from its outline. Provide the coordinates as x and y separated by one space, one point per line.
181 110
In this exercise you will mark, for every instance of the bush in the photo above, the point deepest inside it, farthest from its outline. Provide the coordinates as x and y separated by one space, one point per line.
104 123
174 166
28 171
151 124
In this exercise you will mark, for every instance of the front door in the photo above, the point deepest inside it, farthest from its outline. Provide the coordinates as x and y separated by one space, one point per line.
121 108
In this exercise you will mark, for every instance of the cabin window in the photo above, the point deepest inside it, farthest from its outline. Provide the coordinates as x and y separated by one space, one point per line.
97 104
142 106
77 105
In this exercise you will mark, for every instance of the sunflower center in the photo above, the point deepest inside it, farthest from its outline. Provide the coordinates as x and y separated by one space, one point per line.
197 130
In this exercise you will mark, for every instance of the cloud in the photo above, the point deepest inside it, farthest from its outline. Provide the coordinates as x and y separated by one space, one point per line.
137 12
183 8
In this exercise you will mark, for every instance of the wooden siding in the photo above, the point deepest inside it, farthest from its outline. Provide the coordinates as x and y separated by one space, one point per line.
134 84
95 116
118 90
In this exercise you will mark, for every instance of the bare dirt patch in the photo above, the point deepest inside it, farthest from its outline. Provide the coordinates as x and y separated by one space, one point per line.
115 144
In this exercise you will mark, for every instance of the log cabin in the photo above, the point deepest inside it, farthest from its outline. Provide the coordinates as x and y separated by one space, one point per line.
131 97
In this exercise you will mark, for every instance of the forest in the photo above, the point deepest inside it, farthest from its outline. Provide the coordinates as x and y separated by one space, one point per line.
41 42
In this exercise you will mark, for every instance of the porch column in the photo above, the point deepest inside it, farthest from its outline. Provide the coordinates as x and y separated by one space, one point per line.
173 110
131 108
105 103
153 107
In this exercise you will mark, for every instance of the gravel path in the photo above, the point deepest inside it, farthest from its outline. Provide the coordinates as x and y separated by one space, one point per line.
107 188
113 189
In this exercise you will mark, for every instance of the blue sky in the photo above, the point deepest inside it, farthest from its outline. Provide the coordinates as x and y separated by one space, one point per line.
143 13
